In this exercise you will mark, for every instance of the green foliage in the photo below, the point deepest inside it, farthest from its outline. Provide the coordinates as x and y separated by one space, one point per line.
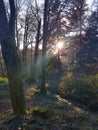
3 81
42 112
40 118
81 88
36 123
33 90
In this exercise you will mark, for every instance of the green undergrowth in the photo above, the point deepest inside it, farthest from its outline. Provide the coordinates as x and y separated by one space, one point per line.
31 91
80 88
60 116
48 113
42 112
3 81
51 113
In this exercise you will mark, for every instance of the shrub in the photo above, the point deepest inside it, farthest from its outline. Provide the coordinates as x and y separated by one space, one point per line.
80 88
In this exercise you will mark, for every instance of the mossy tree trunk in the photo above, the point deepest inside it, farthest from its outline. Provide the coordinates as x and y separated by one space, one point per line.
12 62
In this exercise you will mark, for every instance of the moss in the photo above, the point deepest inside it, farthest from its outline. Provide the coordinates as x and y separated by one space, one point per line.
43 112
18 100
3 81
32 91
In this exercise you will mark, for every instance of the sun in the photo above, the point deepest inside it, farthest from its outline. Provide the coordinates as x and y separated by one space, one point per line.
59 45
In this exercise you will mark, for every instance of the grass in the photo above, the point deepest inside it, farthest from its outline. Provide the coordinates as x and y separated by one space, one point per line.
55 115
52 114
5 110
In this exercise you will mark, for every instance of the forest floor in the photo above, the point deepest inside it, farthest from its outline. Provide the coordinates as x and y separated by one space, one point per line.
50 112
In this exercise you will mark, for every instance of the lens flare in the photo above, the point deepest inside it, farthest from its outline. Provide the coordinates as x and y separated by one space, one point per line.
59 45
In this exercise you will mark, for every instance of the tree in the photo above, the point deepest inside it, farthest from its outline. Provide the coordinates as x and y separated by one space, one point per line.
29 33
77 17
87 57
1 65
11 59
36 12
44 47
19 5
36 48
92 29
53 23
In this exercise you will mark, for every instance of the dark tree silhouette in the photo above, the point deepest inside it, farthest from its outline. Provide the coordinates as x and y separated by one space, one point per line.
87 57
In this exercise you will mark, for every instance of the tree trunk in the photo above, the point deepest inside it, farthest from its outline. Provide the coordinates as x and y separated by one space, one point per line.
12 18
25 48
12 63
59 62
45 29
34 73
1 66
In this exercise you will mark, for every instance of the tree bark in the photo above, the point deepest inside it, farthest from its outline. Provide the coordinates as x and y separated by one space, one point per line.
25 47
12 62
1 66
44 47
34 73
12 17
